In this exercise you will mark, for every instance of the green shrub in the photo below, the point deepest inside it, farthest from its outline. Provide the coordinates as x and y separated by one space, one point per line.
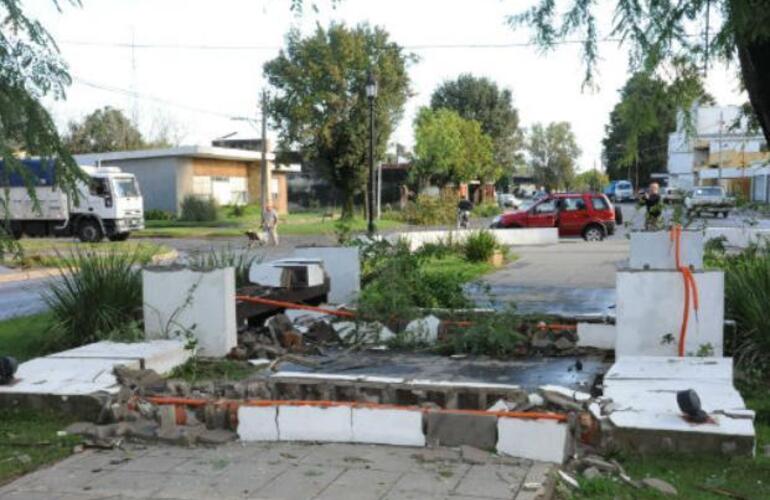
237 210
156 214
480 246
747 295
495 334
429 210
198 209
396 284
217 258
97 296
487 210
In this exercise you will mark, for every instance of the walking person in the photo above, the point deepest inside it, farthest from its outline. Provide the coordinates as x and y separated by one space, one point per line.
651 200
270 224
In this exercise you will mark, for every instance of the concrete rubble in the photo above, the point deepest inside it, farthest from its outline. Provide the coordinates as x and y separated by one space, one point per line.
311 378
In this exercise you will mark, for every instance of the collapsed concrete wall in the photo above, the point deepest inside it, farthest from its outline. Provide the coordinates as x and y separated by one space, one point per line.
739 237
508 237
181 302
342 265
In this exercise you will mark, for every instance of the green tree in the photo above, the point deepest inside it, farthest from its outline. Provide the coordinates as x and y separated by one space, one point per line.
31 69
480 99
661 31
320 105
552 154
592 181
106 129
636 139
450 149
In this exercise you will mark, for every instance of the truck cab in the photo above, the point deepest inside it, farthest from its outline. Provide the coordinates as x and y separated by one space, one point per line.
108 204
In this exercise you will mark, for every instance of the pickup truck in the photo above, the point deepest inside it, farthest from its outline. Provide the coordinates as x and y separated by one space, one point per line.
708 199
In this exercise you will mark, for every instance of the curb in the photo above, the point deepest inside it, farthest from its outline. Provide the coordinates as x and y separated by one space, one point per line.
29 275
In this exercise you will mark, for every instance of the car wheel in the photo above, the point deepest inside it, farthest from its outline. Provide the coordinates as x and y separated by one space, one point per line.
618 216
89 231
593 233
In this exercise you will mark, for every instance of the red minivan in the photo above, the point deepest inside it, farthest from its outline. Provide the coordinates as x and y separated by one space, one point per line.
589 215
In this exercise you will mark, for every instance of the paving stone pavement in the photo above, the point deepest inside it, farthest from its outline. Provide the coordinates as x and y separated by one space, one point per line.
289 471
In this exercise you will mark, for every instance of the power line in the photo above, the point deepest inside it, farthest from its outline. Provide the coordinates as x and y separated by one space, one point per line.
146 97
216 47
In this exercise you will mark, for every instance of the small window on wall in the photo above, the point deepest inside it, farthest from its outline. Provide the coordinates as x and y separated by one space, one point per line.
274 187
763 147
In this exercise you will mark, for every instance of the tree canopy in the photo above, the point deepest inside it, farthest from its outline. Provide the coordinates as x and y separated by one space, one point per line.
591 181
319 105
635 144
106 129
661 31
480 99
31 69
451 149
552 153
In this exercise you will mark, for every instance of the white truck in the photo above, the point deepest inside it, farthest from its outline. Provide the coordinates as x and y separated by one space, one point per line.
109 206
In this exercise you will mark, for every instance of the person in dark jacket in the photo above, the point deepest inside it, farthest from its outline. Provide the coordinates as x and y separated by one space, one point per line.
653 204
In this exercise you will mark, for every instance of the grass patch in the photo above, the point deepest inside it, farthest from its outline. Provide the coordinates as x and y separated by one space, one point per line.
302 224
25 337
688 474
455 265
46 252
28 441
197 369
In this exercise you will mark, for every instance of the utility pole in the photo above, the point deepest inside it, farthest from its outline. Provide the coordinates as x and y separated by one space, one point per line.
266 195
706 48
721 123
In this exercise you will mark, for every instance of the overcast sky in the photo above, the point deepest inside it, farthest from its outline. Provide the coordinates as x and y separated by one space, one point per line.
199 85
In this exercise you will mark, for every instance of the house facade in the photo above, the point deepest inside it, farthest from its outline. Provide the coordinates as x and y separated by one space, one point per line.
166 176
716 140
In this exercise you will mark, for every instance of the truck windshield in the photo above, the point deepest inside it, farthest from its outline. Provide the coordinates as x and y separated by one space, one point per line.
125 187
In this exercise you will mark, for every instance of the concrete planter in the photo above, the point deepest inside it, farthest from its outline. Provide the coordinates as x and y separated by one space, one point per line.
497 259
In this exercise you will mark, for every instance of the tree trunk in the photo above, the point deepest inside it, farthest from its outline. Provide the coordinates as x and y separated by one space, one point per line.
755 68
347 203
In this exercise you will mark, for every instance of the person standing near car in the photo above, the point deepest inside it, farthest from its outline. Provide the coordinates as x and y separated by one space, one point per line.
653 204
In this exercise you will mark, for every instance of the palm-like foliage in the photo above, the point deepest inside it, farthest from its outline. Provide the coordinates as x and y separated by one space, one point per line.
97 296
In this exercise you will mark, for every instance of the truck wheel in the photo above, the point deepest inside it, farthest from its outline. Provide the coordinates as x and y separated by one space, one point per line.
119 236
89 231
593 233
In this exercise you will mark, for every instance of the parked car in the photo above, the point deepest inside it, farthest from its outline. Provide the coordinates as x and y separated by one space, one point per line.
508 200
619 191
672 195
591 216
709 199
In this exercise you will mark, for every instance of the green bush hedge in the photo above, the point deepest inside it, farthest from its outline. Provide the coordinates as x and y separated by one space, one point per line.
198 209
155 214
480 246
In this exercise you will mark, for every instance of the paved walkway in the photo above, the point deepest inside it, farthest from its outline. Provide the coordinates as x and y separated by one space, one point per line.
278 471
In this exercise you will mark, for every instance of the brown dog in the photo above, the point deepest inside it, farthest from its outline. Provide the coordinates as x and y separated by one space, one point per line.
254 238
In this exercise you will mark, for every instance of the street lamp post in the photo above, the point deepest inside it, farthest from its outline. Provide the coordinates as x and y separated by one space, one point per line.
371 94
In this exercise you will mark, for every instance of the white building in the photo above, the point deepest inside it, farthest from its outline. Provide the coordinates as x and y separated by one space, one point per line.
714 138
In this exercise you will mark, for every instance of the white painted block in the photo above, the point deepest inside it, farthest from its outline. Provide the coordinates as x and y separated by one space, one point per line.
543 440
258 423
202 302
425 329
388 426
265 274
667 421
649 310
656 250
342 265
315 423
508 237
159 355
714 370
600 336
660 395
67 376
